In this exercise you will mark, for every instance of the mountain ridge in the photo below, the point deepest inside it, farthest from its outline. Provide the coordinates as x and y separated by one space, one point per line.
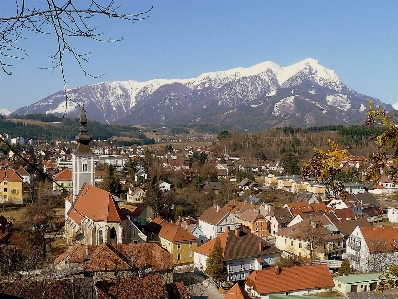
263 95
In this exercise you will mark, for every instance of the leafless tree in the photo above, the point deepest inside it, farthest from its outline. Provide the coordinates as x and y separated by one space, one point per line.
68 21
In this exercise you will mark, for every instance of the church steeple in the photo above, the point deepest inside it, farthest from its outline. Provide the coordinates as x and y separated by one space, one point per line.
83 139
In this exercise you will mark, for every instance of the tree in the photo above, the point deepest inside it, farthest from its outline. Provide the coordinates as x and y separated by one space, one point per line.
325 166
386 142
388 278
290 163
216 267
345 268
111 181
162 203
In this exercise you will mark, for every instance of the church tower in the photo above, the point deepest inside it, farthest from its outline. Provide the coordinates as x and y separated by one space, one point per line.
83 159
83 170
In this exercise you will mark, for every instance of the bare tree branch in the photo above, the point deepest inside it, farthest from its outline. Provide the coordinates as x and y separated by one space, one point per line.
66 20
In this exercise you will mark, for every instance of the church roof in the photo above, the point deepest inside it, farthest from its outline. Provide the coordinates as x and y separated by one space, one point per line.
97 205
64 175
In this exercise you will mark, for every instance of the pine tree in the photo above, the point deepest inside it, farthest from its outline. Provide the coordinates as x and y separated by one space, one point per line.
215 265
345 268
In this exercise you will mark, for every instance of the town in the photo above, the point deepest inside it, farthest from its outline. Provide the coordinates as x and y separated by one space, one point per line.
102 222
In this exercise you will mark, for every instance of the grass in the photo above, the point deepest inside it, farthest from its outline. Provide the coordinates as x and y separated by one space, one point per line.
15 215
327 294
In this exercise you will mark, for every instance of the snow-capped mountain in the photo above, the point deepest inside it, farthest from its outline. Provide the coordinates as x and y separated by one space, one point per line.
5 112
261 96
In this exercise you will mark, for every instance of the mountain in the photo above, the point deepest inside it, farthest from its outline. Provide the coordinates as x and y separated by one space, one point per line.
5 112
262 96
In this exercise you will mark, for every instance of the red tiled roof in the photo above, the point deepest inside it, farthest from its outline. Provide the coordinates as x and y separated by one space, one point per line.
381 238
175 233
95 204
236 292
138 287
107 257
9 175
64 175
281 280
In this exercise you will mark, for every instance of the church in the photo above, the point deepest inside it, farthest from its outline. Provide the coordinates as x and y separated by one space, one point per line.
92 215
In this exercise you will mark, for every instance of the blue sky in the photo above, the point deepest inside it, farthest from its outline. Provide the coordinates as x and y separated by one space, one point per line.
182 39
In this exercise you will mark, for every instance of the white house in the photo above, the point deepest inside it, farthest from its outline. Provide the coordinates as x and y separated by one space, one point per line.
214 221
371 249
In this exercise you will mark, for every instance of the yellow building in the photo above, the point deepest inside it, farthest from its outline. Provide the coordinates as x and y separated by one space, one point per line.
63 181
11 187
311 239
178 242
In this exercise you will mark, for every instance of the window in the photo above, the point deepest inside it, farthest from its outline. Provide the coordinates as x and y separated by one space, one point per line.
178 256
230 268
190 244
113 233
242 266
190 254
5 183
5 197
291 243
179 246
300 245
5 189
100 237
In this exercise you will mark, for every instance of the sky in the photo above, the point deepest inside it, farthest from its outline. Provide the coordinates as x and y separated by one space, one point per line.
358 39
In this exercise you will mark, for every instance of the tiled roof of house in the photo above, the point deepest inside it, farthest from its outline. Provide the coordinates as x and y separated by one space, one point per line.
49 288
304 207
238 244
22 171
250 216
281 215
137 287
96 204
381 238
9 175
64 175
213 216
107 257
367 198
344 214
348 226
175 233
288 279
236 292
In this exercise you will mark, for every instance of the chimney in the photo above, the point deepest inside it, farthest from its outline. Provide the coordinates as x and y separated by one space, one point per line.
237 231
217 208
261 246
277 270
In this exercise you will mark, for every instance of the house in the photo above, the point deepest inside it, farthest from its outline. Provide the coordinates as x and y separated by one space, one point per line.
315 237
11 187
243 252
371 249
298 280
215 221
140 215
256 222
278 218
296 208
178 242
62 181
123 259
24 174
357 283
307 197
392 214
164 186
140 175
136 195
